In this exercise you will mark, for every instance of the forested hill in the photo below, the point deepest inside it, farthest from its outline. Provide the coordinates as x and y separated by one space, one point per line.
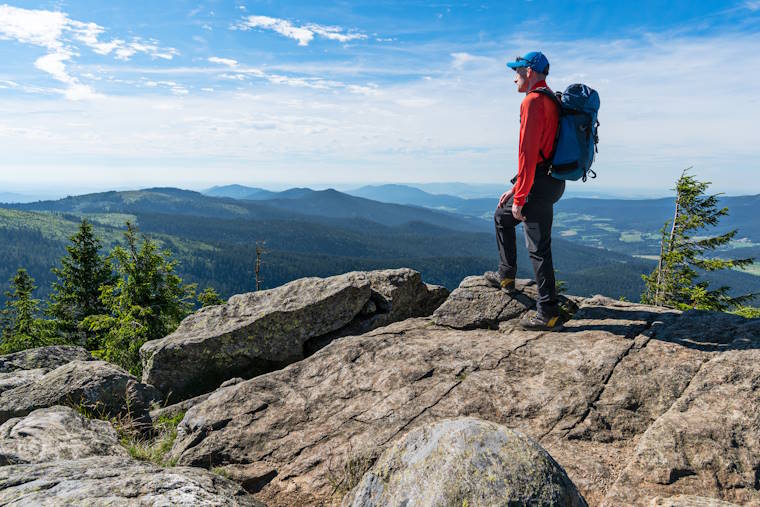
311 234
325 203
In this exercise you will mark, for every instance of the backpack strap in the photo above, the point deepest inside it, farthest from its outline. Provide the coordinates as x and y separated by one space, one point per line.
547 161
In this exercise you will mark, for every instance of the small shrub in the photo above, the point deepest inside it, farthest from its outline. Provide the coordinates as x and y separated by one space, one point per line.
157 446
146 443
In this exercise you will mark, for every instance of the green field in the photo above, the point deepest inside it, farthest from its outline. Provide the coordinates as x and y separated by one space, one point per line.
630 237
753 269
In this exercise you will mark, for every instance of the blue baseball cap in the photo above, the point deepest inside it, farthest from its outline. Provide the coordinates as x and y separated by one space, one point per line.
535 60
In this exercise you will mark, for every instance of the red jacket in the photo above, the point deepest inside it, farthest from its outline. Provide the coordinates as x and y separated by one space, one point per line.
539 119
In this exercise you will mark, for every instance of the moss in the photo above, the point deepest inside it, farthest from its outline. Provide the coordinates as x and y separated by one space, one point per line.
221 471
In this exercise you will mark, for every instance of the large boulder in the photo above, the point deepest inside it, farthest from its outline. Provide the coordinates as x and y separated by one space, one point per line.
116 480
638 404
44 358
21 368
258 332
465 461
477 304
98 386
56 433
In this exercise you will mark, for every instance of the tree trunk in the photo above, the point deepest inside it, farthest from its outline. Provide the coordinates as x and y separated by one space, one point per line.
660 277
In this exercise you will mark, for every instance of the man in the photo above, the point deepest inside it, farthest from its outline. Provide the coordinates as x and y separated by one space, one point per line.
531 200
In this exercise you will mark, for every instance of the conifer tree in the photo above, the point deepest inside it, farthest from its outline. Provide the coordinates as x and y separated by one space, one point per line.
21 327
209 297
682 254
76 293
147 301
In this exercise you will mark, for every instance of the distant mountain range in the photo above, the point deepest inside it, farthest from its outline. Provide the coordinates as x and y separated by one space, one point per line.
319 233
303 204
623 225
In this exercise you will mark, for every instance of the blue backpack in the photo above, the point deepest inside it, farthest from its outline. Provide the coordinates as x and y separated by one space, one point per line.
577 136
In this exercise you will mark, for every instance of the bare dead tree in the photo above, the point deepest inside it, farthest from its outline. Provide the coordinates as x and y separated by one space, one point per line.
260 251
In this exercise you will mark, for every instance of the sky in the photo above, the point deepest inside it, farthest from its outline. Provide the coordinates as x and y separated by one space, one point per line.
97 95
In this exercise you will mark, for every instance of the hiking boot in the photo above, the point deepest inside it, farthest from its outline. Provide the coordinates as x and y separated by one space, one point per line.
496 280
538 322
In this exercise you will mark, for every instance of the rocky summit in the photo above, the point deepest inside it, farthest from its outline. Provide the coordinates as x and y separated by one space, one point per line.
638 404
370 389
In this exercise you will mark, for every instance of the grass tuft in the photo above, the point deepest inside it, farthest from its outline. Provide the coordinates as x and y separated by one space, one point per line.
144 442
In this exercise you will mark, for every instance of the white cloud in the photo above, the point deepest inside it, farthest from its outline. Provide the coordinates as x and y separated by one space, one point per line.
752 5
224 61
174 87
57 33
233 77
126 51
461 59
303 34
88 33
40 28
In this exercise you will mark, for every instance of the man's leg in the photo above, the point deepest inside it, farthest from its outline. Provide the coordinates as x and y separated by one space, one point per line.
538 239
505 240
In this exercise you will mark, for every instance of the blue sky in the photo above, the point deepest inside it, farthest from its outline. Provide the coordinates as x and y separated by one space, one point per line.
98 95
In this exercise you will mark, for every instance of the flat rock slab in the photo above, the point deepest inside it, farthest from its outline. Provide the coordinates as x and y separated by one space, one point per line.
476 304
56 433
95 385
44 358
26 367
690 501
20 378
672 410
114 480
262 331
707 442
464 461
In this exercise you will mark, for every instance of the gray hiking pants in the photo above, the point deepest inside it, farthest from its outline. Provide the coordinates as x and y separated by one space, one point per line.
539 214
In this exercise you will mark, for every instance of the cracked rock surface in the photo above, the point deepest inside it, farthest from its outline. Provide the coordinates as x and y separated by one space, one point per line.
22 368
99 386
56 433
258 332
116 480
640 405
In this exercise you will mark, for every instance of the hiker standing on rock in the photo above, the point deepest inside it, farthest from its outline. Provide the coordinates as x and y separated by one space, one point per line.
531 200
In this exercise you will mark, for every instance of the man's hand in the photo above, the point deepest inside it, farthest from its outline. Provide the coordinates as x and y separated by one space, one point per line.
517 212
506 196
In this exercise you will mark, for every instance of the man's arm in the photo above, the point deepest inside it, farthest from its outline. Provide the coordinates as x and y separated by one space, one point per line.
531 112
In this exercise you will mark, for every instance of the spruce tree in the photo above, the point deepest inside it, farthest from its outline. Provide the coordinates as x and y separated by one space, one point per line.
21 328
209 297
76 293
675 282
147 301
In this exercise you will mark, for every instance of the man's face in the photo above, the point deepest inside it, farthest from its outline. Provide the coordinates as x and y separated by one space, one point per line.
521 79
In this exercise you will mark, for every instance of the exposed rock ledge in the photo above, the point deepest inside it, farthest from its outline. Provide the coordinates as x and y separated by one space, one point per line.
258 332
641 406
